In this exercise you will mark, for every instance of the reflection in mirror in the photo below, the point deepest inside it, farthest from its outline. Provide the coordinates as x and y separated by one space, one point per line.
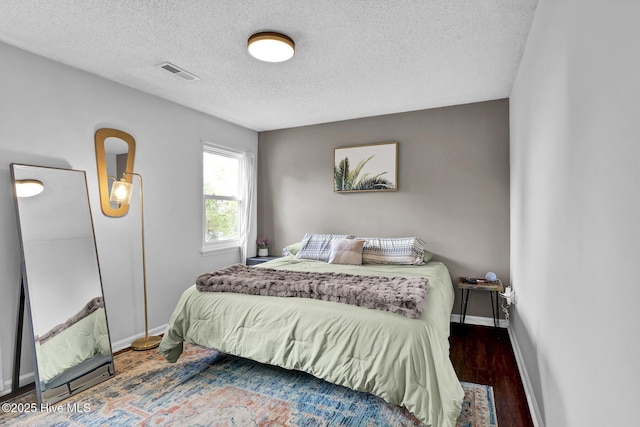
115 154
28 187
62 284
116 151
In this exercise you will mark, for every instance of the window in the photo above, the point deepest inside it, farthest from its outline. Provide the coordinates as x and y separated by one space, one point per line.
223 206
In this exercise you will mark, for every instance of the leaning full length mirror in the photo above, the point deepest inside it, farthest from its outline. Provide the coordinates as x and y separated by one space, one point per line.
61 279
115 154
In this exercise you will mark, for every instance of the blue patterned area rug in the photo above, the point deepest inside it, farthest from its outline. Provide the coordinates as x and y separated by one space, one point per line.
206 388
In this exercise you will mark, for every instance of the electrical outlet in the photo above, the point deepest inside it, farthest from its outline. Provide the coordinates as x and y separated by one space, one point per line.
509 295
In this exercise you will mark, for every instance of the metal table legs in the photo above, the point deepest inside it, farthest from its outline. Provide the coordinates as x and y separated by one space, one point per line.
464 302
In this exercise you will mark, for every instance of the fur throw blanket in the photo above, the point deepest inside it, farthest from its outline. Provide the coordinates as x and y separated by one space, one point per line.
88 308
406 296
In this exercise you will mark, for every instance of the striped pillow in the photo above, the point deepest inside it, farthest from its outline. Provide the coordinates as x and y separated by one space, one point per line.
318 246
394 250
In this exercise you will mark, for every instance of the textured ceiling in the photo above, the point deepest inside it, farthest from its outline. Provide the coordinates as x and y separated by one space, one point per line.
354 58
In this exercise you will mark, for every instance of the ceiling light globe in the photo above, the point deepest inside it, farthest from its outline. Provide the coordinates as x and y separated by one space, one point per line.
271 47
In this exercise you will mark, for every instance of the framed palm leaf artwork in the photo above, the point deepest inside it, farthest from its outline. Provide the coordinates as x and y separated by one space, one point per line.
371 167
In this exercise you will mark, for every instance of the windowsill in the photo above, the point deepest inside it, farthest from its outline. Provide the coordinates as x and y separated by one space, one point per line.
221 249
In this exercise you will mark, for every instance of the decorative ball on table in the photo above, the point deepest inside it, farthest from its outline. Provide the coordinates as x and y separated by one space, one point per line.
491 276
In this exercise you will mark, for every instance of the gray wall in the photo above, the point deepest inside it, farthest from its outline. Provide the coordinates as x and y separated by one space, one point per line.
48 115
453 186
575 212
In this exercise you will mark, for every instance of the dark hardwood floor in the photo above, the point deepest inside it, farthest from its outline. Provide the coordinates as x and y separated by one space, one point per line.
483 355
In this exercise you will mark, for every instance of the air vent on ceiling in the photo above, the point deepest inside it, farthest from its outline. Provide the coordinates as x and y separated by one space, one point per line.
175 70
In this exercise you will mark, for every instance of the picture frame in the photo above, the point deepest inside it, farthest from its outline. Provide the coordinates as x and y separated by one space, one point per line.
366 168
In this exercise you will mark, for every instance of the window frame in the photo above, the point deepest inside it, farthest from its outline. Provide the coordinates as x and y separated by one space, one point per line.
228 245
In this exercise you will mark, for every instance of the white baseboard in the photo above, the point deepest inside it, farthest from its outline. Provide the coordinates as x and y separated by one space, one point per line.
5 386
478 320
534 409
25 379
124 343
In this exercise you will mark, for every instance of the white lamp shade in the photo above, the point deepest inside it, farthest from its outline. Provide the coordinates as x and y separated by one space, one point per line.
121 192
271 47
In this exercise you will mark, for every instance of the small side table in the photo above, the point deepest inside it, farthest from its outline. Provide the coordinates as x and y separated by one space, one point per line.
480 285
260 259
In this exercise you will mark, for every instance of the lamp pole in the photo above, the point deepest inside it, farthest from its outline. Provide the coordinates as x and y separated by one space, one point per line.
148 342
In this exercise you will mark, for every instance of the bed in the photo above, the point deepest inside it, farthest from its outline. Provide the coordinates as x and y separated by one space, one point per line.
405 361
82 340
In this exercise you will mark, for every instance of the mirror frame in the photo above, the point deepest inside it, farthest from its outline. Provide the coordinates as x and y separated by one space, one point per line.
103 178
87 373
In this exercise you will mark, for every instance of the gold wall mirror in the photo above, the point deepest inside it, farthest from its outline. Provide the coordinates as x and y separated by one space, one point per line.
115 154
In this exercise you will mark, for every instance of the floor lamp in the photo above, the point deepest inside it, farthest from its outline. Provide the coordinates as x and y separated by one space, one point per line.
121 192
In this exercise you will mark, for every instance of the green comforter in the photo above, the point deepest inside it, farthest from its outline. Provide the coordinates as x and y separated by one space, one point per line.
77 343
405 361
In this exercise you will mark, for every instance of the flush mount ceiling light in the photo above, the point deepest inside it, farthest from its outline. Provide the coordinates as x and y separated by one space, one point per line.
271 47
28 187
